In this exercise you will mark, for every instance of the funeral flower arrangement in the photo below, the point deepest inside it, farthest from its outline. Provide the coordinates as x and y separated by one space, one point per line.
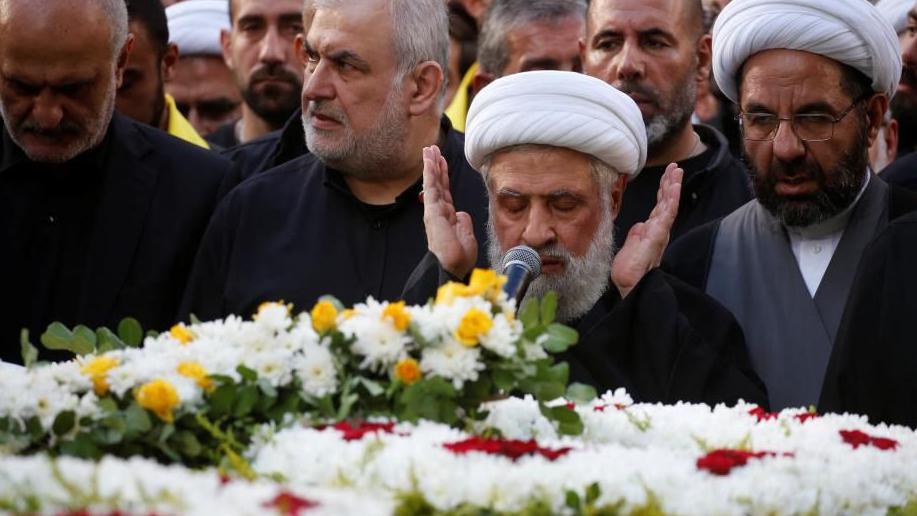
630 459
194 394
384 408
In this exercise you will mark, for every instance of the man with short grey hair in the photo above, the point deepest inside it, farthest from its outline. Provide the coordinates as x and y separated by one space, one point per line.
92 229
344 220
524 35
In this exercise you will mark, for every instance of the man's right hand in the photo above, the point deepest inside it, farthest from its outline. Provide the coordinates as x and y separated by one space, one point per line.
450 234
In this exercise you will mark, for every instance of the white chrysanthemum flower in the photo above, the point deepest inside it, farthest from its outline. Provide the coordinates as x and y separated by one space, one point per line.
376 339
273 317
452 361
316 370
502 337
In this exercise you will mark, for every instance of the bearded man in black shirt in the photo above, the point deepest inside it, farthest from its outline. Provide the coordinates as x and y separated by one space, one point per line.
345 219
99 216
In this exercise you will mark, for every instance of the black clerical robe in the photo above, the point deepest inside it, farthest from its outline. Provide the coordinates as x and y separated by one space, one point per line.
873 368
107 235
296 233
902 172
665 342
715 183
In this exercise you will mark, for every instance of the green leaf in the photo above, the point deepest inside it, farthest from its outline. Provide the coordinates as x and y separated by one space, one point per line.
266 388
245 401
64 422
107 404
504 380
560 338
528 314
592 493
81 447
108 341
549 308
110 430
85 338
581 393
247 374
28 351
372 387
572 501
137 419
433 399
187 444
221 400
58 337
130 332
33 428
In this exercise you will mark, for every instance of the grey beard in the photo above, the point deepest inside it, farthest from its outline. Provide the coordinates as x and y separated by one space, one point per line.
361 156
661 127
584 279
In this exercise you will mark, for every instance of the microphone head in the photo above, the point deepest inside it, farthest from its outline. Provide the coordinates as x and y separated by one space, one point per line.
525 256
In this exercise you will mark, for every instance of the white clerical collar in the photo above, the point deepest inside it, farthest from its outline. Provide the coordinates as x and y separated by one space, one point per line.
835 224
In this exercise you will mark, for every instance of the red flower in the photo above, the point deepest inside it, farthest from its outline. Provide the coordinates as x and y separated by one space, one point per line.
355 433
289 504
511 448
802 418
571 406
721 461
601 408
762 414
857 438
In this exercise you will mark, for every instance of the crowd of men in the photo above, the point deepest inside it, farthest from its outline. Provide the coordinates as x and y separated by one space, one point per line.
700 179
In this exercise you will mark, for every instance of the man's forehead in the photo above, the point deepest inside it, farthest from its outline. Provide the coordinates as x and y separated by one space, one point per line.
636 15
540 169
805 76
348 27
267 8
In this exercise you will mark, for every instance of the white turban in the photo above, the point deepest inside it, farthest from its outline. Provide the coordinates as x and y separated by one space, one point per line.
195 25
895 11
560 109
849 31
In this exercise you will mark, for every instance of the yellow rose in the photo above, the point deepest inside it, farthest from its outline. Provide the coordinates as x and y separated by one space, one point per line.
407 371
448 292
324 316
399 316
475 324
486 283
159 397
97 371
197 373
182 334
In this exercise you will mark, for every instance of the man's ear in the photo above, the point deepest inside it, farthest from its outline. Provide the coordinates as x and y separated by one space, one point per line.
123 57
480 80
226 44
617 195
425 88
875 115
299 48
169 60
704 52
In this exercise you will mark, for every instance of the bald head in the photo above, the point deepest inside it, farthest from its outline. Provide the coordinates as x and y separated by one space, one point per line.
59 18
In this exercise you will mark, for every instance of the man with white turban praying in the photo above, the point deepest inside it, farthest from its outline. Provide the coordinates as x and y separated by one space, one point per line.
812 79
556 150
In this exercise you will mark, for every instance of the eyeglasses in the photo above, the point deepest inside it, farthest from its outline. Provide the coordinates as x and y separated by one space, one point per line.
763 127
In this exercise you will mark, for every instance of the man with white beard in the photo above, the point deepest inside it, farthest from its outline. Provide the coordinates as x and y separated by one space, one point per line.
556 150
99 215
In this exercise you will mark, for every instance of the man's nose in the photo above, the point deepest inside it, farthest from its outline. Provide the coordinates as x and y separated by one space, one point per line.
787 145
273 47
629 63
539 229
47 111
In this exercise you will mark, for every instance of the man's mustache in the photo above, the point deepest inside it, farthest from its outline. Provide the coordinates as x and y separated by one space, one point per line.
275 72
65 128
646 93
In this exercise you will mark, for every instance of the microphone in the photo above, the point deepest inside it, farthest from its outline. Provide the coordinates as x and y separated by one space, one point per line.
521 265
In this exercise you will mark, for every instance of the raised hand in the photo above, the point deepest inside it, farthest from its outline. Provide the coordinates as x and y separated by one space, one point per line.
450 234
646 241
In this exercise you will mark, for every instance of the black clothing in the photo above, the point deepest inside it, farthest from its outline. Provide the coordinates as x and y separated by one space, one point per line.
269 151
224 137
874 360
297 232
902 172
665 342
714 184
110 234
688 258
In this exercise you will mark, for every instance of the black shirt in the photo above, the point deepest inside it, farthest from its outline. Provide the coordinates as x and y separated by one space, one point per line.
714 184
107 235
297 232
269 151
224 137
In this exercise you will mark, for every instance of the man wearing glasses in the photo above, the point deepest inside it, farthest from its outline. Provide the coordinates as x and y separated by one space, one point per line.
812 79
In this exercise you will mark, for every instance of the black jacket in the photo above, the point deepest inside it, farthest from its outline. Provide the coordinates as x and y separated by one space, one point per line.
715 183
269 151
157 194
296 233
902 172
